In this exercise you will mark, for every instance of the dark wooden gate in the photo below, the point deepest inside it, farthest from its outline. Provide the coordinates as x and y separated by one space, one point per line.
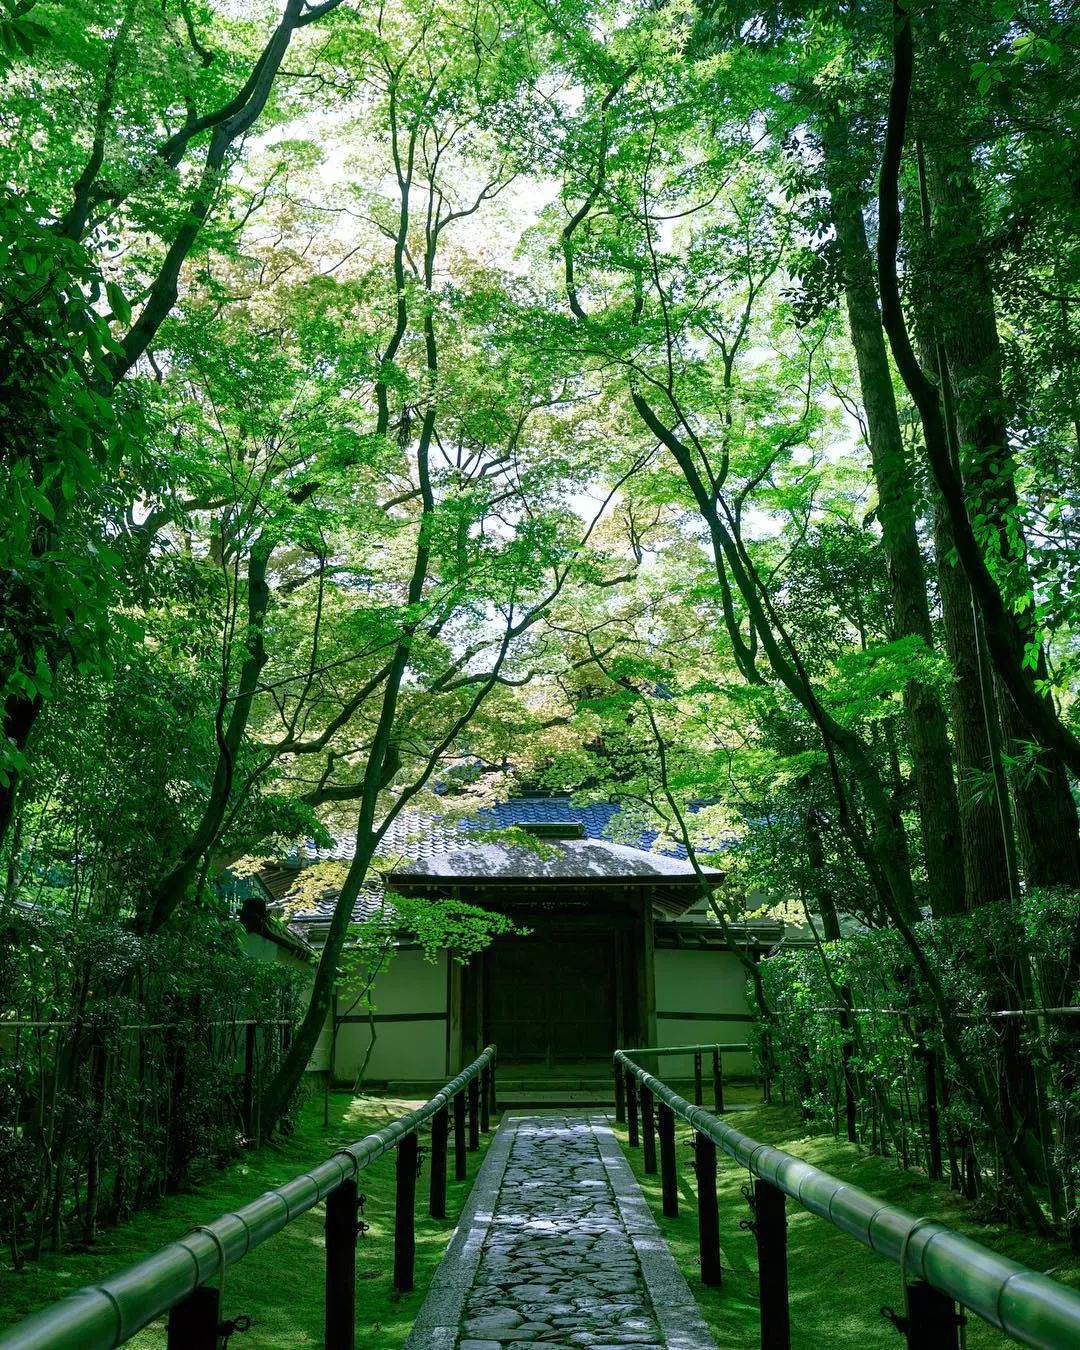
551 998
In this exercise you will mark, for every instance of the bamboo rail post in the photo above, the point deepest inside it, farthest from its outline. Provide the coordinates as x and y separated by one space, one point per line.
620 1095
932 1322
194 1321
494 1103
770 1232
712 1272
669 1181
405 1213
648 1131
342 1206
440 1132
474 1114
718 1080
699 1095
461 1161
631 1110
485 1100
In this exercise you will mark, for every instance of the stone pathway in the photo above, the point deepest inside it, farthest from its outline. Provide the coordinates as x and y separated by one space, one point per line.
557 1248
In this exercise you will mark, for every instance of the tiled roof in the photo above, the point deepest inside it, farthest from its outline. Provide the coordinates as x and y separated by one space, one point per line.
562 859
428 844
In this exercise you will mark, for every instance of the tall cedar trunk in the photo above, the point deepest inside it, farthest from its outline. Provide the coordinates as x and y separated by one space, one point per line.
983 828
1003 638
1047 825
928 733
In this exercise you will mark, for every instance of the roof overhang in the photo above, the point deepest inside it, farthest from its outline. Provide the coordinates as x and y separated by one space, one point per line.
513 873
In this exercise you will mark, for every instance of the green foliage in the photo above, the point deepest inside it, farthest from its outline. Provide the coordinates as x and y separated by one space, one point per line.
1005 957
124 1082
71 461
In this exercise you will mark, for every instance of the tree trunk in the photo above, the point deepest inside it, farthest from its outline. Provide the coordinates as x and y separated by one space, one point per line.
1047 825
985 825
171 889
928 735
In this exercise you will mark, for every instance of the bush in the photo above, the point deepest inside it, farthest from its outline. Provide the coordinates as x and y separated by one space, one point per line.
858 1032
122 1075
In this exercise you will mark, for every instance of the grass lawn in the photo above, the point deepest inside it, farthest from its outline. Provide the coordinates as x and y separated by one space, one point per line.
837 1286
280 1284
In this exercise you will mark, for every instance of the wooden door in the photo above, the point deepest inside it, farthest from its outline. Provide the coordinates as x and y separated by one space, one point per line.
551 1001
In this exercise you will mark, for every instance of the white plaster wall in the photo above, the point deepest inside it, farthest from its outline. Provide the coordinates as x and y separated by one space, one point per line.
702 982
262 949
404 1050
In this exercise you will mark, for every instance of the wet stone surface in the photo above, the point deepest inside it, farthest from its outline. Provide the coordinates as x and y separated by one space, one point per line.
558 1267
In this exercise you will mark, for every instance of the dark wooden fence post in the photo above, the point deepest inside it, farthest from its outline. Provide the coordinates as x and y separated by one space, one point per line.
440 1131
620 1095
718 1080
405 1214
485 1099
194 1321
708 1211
648 1131
770 1230
932 1320
461 1161
341 1210
248 1109
474 1114
491 1084
699 1095
631 1110
669 1180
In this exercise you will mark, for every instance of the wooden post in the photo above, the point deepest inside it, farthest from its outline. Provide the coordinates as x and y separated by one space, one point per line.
440 1131
194 1321
648 1131
620 1095
474 1114
248 1107
405 1214
485 1099
491 1085
461 1161
631 1110
669 1180
341 1211
699 1097
932 1320
770 1230
718 1080
707 1210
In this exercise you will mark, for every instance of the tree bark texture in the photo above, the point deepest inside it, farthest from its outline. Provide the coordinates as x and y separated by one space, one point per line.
928 733
1048 830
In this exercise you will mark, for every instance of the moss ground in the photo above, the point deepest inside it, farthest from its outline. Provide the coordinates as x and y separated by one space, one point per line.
280 1284
837 1286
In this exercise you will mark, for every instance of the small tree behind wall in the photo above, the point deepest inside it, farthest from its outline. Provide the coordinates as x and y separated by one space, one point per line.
435 926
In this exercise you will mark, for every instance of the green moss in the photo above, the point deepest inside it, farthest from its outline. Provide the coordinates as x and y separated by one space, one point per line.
280 1284
837 1286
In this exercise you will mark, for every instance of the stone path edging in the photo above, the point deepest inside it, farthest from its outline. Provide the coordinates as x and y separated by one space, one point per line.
676 1309
438 1323
556 1247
